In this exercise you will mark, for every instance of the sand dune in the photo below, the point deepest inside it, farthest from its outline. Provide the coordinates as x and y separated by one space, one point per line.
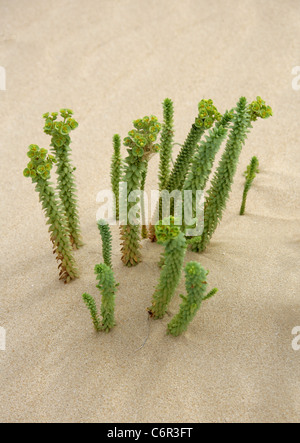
113 61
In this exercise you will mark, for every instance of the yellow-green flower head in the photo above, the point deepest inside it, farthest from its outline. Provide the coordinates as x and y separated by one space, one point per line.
153 119
58 126
46 115
259 109
138 151
43 153
138 124
58 140
41 169
54 115
48 126
40 164
156 148
72 123
65 130
152 129
48 166
65 113
26 172
146 119
132 133
166 230
128 141
30 154
208 114
140 141
152 138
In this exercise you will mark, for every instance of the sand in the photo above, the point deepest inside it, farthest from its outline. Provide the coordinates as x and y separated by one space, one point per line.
113 61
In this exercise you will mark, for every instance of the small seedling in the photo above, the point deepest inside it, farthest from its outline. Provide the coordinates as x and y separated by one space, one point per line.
250 174
107 286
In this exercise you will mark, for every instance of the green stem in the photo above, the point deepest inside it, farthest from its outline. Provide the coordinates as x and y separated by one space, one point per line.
175 247
107 285
116 166
166 148
91 305
59 231
250 176
106 236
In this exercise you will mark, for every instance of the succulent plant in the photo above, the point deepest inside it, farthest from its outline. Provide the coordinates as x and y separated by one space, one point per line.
60 143
141 143
170 235
38 169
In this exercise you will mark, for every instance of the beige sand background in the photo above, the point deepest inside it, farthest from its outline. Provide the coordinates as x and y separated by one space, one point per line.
113 61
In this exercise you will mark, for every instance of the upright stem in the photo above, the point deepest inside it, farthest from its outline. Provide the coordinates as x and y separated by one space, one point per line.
175 247
59 232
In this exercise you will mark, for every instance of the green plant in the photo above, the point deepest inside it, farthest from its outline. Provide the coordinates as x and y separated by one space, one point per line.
207 115
250 174
116 169
60 142
38 169
203 160
143 183
219 191
166 148
106 242
107 286
172 238
195 282
141 146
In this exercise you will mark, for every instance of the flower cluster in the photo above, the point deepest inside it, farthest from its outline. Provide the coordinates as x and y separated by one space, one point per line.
142 139
60 130
40 163
208 114
259 109
166 230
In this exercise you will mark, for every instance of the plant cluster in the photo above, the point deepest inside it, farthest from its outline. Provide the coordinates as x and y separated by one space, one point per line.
190 171
106 285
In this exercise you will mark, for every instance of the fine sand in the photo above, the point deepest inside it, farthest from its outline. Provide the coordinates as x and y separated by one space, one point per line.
113 61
